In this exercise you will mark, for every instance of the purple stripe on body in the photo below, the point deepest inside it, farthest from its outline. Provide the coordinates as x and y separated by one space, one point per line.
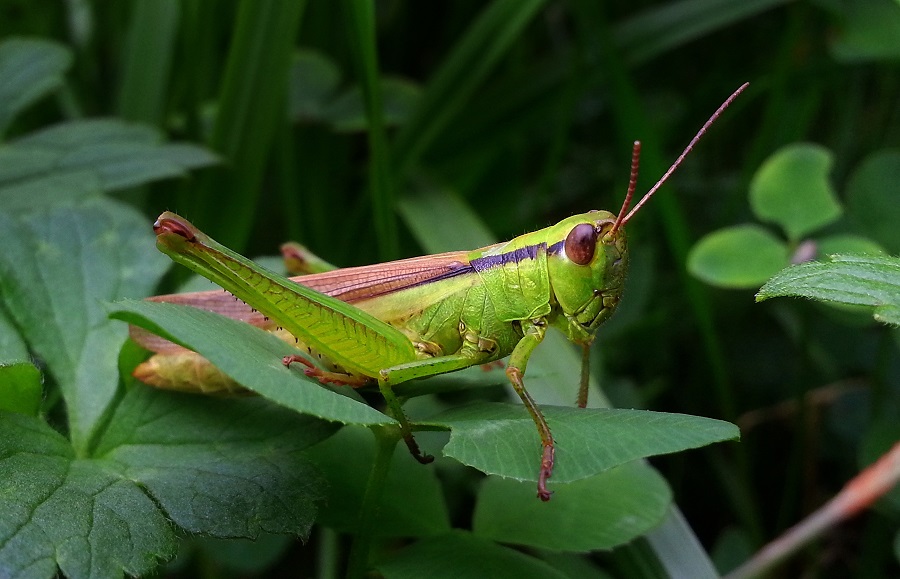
478 264
515 256
556 247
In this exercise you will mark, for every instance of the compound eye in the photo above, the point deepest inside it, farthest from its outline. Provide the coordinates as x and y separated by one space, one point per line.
581 244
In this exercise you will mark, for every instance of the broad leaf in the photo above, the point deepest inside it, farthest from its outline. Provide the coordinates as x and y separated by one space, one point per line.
30 69
250 356
502 439
92 155
219 467
79 514
598 512
791 189
56 269
743 256
851 279
460 555
847 243
228 468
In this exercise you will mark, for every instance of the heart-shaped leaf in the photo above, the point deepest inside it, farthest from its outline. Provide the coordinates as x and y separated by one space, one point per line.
598 512
743 256
791 188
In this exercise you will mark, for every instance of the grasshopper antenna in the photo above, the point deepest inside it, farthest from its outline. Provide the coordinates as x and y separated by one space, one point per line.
621 221
632 185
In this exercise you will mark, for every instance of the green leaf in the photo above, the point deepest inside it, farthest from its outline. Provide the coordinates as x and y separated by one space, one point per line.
227 468
872 193
598 512
313 83
502 439
251 356
79 514
851 279
212 466
56 268
438 216
12 345
870 30
460 555
412 504
55 189
20 388
347 113
103 155
791 189
743 256
847 243
30 69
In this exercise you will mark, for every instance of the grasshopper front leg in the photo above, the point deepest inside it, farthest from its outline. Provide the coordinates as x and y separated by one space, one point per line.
518 360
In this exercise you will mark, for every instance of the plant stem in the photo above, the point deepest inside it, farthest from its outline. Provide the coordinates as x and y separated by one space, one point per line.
385 439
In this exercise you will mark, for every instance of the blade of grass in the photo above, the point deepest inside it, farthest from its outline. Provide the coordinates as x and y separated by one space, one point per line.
486 41
660 29
251 104
361 32
148 60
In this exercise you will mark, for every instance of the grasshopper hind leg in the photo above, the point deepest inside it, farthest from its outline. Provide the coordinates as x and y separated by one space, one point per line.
324 376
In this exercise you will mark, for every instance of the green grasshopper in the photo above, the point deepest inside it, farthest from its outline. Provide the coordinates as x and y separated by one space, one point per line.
393 322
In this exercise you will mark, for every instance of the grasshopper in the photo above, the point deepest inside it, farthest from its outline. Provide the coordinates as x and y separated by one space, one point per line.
413 318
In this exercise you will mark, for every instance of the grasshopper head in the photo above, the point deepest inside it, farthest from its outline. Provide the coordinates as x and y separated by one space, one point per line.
587 268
